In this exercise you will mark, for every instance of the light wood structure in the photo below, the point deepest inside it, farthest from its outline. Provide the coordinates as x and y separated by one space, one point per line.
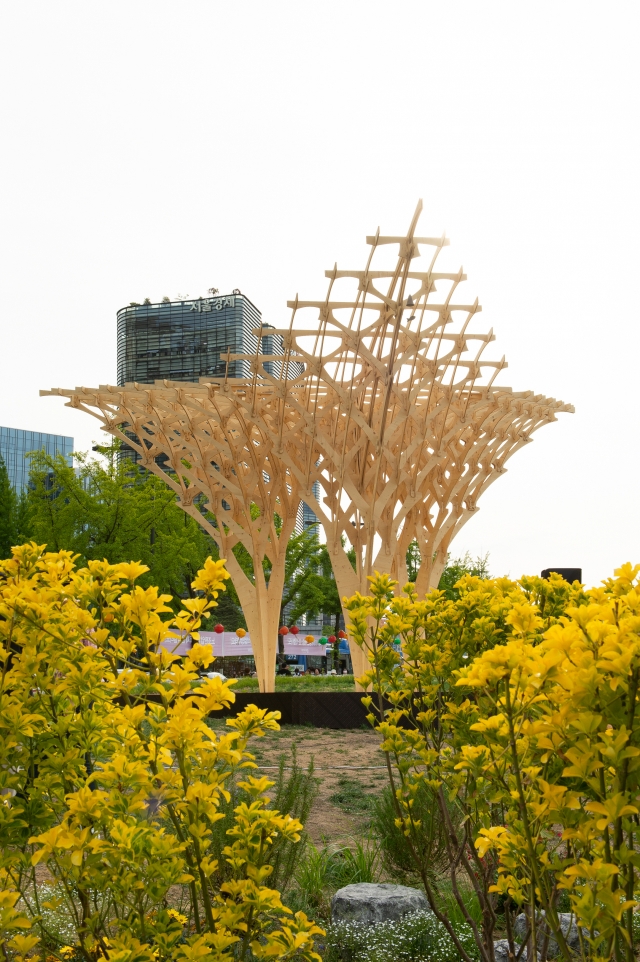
216 447
383 403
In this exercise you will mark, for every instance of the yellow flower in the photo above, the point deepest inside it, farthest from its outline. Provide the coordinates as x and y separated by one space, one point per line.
131 570
524 619
177 917
211 578
491 838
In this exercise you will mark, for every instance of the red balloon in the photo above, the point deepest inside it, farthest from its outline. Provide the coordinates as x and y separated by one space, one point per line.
284 630
331 639
342 634
294 629
218 629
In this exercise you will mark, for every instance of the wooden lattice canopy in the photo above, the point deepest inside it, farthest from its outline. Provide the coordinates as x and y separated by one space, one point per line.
381 414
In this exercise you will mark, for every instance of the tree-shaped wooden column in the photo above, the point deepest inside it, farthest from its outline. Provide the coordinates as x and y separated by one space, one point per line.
400 425
219 459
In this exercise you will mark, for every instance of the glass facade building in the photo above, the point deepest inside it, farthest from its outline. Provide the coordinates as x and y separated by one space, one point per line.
183 340
16 445
307 517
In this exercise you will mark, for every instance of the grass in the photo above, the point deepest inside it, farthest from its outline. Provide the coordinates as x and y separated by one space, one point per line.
352 799
303 683
449 906
323 870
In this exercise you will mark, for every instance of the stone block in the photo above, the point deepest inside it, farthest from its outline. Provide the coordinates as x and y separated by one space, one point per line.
376 902
568 928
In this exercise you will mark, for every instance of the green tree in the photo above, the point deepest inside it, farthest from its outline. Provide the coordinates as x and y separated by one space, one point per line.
8 506
15 526
303 556
455 568
229 613
113 509
301 560
318 593
300 553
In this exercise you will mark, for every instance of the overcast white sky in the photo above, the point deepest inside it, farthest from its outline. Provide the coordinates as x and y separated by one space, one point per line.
154 148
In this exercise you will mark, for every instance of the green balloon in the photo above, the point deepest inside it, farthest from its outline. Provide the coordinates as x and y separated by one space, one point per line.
322 641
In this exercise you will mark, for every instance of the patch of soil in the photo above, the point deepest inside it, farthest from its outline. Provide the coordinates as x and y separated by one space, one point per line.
342 760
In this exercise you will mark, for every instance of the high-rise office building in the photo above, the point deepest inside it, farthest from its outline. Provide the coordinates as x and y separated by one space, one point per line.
16 445
307 517
183 340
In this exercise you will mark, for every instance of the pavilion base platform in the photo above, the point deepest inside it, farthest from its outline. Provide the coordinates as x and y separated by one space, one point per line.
323 709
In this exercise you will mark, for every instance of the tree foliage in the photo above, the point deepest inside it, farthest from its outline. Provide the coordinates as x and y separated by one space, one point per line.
519 704
457 568
7 511
454 570
113 509
112 779
301 560
14 514
318 593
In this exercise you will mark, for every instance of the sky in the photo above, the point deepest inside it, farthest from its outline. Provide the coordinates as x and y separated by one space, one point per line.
162 148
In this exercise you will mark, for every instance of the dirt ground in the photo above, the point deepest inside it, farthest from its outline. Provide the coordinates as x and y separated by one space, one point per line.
348 765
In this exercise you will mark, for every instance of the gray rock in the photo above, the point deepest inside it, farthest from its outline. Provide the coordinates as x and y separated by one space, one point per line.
380 902
568 927
501 950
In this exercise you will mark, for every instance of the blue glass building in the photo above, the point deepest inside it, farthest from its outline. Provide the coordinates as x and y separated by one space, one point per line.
309 517
16 445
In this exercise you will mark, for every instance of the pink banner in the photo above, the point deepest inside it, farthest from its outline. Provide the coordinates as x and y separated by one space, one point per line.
227 643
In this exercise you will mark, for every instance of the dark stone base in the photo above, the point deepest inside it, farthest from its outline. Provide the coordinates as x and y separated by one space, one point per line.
322 709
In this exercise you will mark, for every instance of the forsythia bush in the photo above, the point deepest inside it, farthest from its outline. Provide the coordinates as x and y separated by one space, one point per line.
519 705
111 780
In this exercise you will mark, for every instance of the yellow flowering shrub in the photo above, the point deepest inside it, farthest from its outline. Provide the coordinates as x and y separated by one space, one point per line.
111 779
518 703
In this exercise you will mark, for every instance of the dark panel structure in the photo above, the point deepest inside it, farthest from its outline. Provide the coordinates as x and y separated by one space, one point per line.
326 709
569 574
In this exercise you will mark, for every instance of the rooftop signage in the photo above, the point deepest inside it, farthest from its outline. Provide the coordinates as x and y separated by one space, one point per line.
204 304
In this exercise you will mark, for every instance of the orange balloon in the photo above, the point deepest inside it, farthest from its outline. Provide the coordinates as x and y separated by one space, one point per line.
309 639
240 632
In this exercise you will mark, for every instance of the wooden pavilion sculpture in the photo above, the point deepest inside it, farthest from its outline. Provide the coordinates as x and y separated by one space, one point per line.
223 469
381 414
393 413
